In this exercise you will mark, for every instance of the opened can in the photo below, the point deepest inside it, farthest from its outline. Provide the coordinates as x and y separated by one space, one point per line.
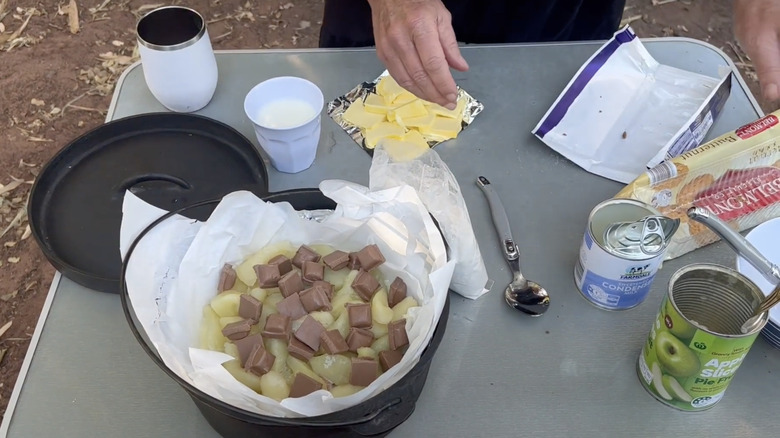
696 343
623 247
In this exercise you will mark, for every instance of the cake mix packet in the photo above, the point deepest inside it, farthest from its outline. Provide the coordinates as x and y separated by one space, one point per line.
624 112
469 106
735 176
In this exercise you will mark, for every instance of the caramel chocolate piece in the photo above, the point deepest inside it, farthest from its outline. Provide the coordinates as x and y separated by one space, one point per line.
325 286
365 285
237 330
227 278
303 254
313 271
315 298
359 315
397 292
389 358
282 262
259 361
364 371
304 385
246 345
291 306
336 260
359 338
277 326
299 350
290 283
370 257
354 263
396 334
332 342
250 308
309 333
267 275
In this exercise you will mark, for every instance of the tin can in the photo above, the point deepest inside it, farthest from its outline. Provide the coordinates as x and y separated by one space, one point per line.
620 278
696 343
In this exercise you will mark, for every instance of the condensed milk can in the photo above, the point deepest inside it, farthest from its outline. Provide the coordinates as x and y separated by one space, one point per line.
623 247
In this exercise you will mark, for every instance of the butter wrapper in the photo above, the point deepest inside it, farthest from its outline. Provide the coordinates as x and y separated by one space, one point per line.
339 105
735 176
624 112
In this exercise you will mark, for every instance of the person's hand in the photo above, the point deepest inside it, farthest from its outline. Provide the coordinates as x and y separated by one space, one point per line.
415 40
757 28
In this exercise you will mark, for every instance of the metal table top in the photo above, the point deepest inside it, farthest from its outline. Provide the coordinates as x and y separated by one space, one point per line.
497 372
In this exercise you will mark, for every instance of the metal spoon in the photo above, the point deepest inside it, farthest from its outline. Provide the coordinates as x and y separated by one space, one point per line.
744 248
522 294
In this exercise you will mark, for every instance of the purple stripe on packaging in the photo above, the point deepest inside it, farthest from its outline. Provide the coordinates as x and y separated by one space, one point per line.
551 121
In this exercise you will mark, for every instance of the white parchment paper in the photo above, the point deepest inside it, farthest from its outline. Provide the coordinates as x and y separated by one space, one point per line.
174 270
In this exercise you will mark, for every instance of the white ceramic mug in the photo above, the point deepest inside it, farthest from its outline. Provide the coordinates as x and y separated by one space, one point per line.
286 114
177 59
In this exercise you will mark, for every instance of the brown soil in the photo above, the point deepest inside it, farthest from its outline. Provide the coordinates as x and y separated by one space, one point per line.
57 77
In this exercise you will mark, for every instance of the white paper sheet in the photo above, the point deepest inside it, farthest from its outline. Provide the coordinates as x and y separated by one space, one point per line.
174 271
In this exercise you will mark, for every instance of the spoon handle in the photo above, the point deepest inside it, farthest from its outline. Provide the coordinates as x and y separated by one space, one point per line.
500 219
740 244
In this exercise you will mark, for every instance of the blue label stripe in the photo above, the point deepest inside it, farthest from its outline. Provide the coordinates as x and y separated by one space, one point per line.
586 74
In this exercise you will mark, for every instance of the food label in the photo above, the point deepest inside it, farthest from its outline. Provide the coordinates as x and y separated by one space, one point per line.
686 367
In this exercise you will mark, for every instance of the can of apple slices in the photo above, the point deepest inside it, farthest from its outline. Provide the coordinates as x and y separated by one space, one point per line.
696 343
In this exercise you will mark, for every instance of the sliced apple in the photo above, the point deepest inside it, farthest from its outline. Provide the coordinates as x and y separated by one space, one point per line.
658 382
675 389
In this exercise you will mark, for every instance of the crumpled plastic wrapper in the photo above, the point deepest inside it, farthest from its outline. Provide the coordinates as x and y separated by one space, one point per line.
337 106
438 189
174 270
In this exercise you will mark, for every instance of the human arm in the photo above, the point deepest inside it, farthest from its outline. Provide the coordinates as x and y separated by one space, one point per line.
416 42
757 28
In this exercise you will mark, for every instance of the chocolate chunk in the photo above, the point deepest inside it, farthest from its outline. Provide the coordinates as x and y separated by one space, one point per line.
291 306
364 371
290 283
389 358
227 278
303 254
333 343
336 260
246 345
282 262
359 315
313 271
354 263
325 286
250 308
370 257
359 338
277 326
299 350
267 275
309 333
315 298
365 285
304 385
396 334
397 292
237 330
259 361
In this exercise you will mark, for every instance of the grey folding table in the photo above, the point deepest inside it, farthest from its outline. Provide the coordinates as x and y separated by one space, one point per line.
570 372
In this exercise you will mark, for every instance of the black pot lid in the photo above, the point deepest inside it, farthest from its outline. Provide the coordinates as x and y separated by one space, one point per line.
169 160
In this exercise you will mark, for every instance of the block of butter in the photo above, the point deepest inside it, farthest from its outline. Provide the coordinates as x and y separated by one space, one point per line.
383 110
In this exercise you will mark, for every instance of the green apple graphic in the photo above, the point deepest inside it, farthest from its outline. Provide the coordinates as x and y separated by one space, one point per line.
658 382
674 388
675 358
679 327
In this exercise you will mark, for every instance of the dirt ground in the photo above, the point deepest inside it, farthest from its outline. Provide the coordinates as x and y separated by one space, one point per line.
59 61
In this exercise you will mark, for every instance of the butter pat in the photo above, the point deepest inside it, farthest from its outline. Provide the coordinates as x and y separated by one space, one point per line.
376 104
442 128
382 130
439 110
357 115
389 88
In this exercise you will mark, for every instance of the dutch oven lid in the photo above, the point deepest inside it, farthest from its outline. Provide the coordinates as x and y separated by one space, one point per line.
169 160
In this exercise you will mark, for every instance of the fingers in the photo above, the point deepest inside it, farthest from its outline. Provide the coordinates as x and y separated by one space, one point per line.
757 28
767 62
427 65
450 46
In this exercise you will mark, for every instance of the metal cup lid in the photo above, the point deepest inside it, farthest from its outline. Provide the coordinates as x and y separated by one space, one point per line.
648 236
